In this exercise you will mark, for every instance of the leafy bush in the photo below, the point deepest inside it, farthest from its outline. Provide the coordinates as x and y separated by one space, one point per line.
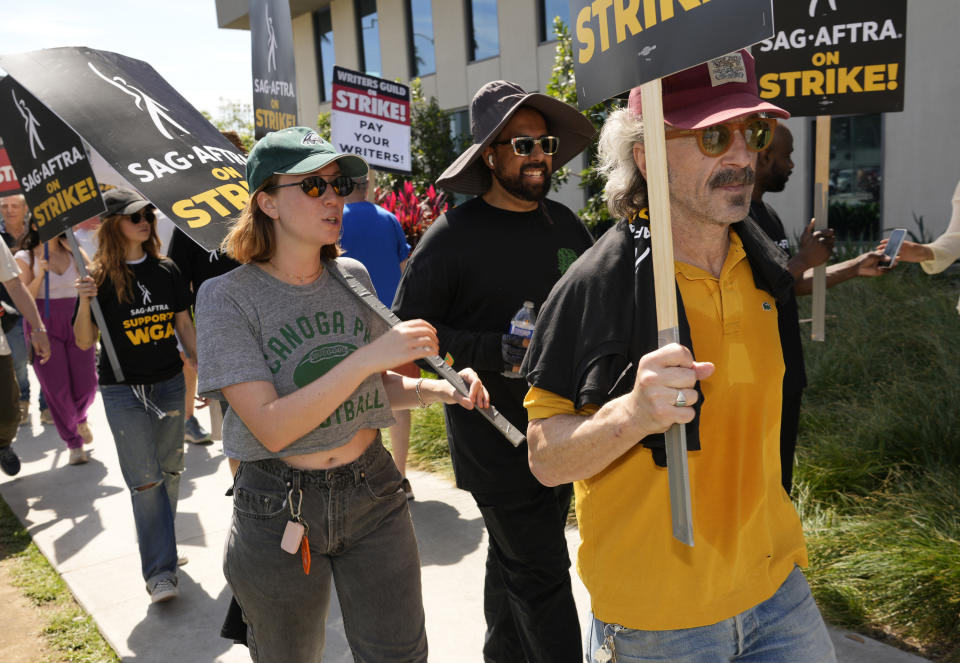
414 212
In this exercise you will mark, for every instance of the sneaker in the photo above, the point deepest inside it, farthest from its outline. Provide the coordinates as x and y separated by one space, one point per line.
182 559
83 430
9 462
406 488
78 456
164 590
24 412
193 432
45 417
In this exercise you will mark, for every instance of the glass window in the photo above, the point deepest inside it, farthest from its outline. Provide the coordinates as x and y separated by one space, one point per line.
369 30
326 58
482 38
550 9
420 19
856 176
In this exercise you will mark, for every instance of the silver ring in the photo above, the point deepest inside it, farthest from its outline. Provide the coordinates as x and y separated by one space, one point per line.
680 401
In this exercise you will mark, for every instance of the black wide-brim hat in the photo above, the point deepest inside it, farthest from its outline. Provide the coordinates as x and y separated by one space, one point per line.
491 109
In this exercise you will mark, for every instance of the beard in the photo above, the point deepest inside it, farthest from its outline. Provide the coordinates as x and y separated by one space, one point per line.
519 187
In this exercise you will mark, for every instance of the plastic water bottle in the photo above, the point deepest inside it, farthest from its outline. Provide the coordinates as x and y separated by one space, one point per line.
522 325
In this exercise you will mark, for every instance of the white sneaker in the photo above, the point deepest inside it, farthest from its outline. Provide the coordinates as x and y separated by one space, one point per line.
24 412
164 590
78 456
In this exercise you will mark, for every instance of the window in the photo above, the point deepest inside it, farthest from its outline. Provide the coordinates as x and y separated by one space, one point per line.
856 176
326 58
368 27
482 39
420 19
548 10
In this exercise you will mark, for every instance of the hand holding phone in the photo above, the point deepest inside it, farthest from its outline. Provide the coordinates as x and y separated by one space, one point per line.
892 249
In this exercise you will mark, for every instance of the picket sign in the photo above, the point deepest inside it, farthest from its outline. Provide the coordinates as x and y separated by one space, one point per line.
664 280
105 339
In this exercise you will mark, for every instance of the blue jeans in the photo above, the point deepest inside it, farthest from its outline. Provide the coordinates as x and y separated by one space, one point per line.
361 538
150 450
787 627
18 348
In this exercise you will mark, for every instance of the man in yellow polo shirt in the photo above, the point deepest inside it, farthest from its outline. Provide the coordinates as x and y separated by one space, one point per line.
602 394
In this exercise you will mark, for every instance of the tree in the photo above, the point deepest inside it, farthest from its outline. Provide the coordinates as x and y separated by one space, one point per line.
234 116
563 86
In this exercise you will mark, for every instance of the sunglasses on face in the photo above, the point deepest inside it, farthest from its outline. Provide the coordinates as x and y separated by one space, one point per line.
314 186
523 145
146 215
716 140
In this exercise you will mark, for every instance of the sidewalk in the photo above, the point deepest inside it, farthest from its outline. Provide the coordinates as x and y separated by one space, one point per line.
80 518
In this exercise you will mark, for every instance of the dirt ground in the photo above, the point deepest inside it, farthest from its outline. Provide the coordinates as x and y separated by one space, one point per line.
22 623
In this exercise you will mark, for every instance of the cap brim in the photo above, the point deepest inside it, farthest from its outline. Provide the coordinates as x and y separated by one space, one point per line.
350 165
715 111
129 208
467 174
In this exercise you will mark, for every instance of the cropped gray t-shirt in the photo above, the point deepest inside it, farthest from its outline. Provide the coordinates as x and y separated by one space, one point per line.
252 327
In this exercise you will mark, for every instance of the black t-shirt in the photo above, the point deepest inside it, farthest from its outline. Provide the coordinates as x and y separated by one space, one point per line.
196 263
468 276
142 329
794 375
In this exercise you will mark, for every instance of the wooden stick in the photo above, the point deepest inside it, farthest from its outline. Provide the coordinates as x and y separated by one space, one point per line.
665 286
105 339
821 213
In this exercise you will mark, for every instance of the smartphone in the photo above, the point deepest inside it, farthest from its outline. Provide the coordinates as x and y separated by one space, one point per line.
893 247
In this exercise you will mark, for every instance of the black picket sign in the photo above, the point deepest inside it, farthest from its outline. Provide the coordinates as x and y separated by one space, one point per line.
55 174
835 57
618 46
274 75
145 129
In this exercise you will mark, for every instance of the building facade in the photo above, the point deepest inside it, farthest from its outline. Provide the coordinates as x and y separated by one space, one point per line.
897 165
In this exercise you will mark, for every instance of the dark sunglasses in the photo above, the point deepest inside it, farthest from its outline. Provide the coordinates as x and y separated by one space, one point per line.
716 140
523 145
314 186
146 215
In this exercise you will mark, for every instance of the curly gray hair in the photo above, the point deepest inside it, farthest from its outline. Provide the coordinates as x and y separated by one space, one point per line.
626 190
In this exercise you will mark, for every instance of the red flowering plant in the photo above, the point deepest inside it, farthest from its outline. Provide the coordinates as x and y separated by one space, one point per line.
415 212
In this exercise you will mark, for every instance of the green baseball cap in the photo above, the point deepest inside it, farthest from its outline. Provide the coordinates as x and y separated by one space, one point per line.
294 151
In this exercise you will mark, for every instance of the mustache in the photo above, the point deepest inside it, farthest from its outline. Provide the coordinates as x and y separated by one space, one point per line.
733 176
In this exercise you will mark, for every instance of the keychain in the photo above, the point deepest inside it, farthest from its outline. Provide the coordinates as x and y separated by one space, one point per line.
295 533
607 652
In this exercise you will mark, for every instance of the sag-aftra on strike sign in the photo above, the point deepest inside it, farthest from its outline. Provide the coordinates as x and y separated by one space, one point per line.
619 44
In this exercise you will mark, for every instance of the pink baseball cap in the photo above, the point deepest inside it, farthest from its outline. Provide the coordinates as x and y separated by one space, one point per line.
710 93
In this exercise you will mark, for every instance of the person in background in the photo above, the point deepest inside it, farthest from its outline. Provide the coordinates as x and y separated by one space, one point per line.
13 209
70 377
86 234
9 391
941 252
305 366
145 302
774 167
602 391
374 236
471 272
196 265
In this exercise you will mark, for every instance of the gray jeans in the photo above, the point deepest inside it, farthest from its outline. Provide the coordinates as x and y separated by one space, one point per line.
361 537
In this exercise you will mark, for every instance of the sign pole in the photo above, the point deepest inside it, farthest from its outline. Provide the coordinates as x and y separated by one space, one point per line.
665 287
821 213
95 308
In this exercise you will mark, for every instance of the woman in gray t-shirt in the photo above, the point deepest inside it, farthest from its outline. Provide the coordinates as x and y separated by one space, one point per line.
303 364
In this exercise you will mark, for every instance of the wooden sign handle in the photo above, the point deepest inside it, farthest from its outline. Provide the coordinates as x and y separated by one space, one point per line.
665 287
821 209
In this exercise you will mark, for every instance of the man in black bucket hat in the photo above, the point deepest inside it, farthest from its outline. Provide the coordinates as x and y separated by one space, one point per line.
471 272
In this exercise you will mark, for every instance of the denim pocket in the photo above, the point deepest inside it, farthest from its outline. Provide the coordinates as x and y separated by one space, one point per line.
382 480
259 495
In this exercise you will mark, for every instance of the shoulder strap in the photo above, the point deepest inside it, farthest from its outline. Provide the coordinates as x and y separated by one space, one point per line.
440 367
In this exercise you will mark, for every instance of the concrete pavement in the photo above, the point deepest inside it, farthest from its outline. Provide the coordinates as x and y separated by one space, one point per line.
80 518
